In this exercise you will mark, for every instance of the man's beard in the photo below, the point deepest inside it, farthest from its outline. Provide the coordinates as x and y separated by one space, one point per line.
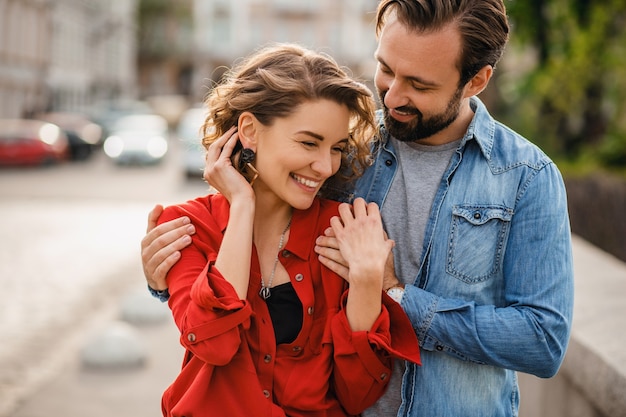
420 128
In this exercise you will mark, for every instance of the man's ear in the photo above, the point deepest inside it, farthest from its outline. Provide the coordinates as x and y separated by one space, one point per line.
247 129
479 81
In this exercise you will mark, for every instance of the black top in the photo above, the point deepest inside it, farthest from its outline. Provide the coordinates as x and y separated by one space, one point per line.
286 312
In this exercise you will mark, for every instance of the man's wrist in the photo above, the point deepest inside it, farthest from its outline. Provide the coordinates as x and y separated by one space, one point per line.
396 292
396 284
161 295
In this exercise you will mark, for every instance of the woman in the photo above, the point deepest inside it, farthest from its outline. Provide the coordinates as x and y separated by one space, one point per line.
267 330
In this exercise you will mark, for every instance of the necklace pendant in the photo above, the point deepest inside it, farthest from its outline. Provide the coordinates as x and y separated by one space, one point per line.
265 293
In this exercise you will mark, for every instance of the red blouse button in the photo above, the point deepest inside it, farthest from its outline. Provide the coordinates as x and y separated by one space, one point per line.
191 337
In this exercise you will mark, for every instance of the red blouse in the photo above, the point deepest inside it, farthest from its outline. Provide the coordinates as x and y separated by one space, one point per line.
232 365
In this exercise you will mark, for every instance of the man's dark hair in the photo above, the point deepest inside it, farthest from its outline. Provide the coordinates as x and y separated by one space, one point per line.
483 26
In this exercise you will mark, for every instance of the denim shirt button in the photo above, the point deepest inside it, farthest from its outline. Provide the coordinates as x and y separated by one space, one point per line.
388 162
477 216
439 348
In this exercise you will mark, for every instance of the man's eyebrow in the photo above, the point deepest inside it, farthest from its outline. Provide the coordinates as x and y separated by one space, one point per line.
416 79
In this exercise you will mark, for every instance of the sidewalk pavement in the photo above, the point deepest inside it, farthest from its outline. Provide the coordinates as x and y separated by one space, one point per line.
71 279
127 387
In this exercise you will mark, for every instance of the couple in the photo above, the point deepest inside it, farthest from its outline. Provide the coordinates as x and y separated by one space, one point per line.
482 262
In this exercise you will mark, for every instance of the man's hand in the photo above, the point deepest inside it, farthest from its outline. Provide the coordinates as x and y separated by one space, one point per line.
389 278
327 249
160 248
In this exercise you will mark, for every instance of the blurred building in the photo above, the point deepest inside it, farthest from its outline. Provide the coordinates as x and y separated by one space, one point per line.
25 27
186 45
165 53
225 30
65 54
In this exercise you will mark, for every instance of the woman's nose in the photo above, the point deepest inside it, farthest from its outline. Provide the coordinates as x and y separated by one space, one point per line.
323 164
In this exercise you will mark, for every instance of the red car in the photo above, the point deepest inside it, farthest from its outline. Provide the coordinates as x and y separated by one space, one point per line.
31 142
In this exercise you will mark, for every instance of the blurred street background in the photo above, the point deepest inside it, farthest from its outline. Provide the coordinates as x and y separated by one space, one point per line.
100 106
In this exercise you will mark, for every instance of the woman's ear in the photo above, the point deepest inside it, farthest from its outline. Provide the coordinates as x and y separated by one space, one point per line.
247 129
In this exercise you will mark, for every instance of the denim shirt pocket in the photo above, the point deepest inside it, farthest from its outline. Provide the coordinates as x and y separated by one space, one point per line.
477 240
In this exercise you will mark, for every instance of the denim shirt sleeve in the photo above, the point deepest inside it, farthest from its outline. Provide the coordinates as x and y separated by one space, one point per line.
162 295
528 328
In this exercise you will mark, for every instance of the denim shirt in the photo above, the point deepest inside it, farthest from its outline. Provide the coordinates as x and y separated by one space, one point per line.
494 291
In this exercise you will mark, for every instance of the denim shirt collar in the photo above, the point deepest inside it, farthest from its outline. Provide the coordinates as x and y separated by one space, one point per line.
482 128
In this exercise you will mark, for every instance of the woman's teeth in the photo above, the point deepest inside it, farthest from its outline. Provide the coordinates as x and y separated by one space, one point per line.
304 181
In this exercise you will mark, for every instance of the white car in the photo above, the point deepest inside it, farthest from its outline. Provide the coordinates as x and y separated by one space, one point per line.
188 133
137 138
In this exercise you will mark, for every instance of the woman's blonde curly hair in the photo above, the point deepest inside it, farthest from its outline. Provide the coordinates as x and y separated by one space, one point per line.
278 78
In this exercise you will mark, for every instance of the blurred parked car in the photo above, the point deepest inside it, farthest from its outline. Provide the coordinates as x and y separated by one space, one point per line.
107 112
188 133
138 138
83 135
169 106
31 142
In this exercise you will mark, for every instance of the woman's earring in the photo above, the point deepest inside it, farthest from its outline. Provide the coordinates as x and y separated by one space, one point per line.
247 157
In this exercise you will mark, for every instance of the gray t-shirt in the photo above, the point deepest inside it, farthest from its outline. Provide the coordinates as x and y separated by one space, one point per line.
405 212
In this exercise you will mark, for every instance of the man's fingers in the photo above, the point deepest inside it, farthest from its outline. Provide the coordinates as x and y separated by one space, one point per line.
162 234
153 217
157 280
337 268
160 249
330 253
328 241
157 265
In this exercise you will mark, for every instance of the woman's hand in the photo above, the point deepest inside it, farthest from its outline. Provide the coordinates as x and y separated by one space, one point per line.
361 240
365 249
219 171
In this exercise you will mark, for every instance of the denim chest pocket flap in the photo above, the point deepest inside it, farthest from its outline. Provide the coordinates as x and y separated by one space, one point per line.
477 240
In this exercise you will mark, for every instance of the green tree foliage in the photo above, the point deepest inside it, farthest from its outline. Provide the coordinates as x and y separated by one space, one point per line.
571 98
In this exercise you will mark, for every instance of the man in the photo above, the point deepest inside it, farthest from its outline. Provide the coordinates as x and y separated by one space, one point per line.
479 216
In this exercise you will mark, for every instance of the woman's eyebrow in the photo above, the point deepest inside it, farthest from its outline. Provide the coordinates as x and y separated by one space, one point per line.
318 136
309 133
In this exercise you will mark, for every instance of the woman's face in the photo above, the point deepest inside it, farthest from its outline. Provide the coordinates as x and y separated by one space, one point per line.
296 154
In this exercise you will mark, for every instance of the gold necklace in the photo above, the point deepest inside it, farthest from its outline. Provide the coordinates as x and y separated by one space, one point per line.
265 292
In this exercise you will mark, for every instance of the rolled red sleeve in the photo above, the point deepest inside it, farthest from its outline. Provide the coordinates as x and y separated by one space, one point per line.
214 318
211 290
361 355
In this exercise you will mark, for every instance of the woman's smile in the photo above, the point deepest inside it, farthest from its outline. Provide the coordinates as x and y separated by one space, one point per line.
308 183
